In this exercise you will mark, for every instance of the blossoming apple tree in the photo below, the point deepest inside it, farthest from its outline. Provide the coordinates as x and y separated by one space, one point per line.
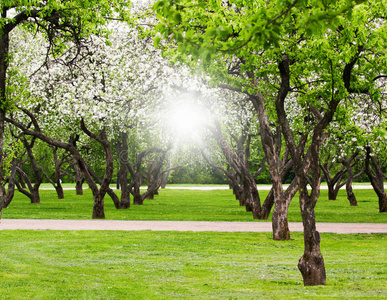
59 21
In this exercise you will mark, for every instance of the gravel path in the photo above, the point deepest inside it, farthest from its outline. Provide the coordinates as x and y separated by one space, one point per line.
26 224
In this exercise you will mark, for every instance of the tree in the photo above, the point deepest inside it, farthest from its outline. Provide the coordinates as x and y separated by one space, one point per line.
279 57
369 123
374 170
60 21
33 192
109 89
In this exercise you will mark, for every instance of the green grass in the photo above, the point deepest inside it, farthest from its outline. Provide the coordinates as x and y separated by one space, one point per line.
184 265
190 205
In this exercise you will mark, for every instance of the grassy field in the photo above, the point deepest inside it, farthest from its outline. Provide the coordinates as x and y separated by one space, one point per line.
190 205
185 265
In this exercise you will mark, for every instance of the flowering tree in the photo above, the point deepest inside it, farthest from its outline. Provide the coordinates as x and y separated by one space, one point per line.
369 121
112 88
59 21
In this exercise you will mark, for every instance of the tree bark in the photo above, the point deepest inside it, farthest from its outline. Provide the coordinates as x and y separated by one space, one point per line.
78 179
58 181
11 185
332 192
348 185
33 188
137 198
267 206
57 184
383 203
122 149
4 49
280 223
334 183
311 264
98 206
376 177
279 219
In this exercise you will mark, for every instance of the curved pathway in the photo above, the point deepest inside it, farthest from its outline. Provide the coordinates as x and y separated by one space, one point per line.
27 224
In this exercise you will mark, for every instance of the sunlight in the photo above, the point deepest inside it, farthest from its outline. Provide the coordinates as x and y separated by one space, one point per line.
186 119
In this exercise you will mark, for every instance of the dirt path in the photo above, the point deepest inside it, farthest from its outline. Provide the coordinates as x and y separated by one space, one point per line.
25 224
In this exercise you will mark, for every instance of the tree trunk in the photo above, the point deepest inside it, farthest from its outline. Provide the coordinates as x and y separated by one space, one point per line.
137 198
351 196
280 214
246 197
240 197
332 192
59 191
334 183
78 186
11 186
267 206
165 180
22 183
4 49
78 179
125 192
280 223
383 203
348 187
376 177
122 149
98 207
58 181
256 202
35 197
279 220
33 190
2 114
311 264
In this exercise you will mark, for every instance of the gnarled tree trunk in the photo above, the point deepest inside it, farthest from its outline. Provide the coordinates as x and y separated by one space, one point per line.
334 183
11 186
78 179
4 59
348 163
373 169
311 264
122 149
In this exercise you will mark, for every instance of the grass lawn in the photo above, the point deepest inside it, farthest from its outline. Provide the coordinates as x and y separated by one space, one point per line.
184 265
190 205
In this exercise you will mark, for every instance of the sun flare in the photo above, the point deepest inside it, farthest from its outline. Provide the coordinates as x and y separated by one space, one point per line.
186 119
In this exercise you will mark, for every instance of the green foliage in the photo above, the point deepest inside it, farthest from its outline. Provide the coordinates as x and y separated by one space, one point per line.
197 174
208 27
11 153
15 89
